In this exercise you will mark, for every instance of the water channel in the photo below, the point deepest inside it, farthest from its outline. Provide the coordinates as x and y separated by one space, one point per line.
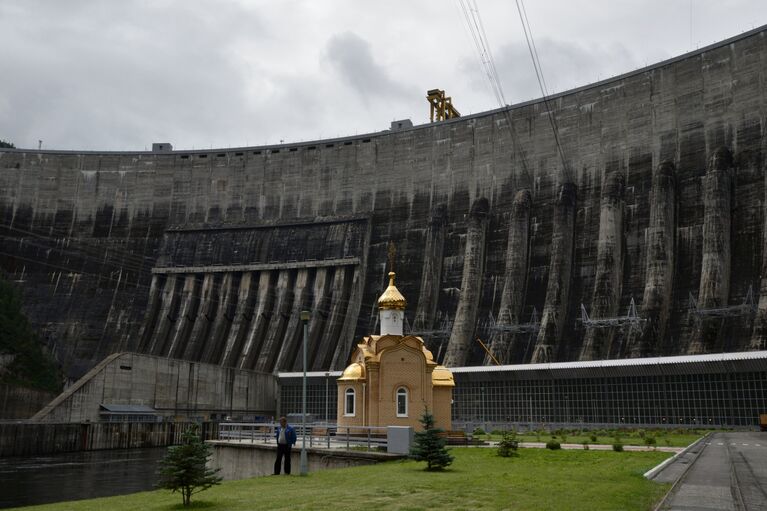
77 475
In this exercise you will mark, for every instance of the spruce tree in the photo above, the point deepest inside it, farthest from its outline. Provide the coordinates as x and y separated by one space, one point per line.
508 445
31 365
429 446
184 468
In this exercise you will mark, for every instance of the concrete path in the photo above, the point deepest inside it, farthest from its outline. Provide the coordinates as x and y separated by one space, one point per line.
727 472
598 447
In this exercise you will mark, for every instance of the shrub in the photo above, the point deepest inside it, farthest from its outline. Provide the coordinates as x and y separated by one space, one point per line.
585 446
508 445
593 438
617 447
184 467
478 431
553 445
498 432
641 433
429 446
650 441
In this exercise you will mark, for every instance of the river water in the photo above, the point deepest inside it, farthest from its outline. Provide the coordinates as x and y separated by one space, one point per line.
78 475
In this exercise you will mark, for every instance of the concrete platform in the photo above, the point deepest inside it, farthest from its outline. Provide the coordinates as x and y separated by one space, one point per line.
243 459
725 472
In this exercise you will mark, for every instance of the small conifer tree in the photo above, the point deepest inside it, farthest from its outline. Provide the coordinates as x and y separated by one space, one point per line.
430 446
184 468
508 445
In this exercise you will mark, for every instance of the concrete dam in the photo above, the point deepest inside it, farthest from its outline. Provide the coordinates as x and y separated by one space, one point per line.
646 236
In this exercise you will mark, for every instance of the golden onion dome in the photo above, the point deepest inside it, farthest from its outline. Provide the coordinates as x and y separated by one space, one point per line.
442 377
392 299
355 371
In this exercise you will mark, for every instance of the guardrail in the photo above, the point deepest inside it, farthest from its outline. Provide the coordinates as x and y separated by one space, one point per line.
327 435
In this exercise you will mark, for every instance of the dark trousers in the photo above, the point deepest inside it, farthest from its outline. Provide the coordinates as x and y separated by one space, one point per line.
282 450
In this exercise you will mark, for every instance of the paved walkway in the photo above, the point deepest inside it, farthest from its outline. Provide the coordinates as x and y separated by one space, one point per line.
339 442
727 472
600 447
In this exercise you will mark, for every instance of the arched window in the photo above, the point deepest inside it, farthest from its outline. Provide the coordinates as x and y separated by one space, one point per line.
349 403
402 402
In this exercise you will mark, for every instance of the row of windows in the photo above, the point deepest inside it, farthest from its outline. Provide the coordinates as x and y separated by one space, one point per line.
733 399
723 399
350 402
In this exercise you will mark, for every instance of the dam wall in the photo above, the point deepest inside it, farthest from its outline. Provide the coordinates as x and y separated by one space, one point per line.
163 388
209 255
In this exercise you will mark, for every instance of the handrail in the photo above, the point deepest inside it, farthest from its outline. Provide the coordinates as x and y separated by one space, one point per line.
329 434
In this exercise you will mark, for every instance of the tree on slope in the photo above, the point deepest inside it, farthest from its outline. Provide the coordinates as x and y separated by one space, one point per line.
429 446
184 469
30 365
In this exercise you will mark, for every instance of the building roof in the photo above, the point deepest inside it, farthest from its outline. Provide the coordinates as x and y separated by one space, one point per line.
355 371
686 364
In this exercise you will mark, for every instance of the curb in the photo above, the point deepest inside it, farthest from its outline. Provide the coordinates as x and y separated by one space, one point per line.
658 468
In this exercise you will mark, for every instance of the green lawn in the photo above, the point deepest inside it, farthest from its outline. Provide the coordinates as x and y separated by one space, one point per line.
478 479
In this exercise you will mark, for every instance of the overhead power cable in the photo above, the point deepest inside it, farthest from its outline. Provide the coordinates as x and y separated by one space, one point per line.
473 23
541 82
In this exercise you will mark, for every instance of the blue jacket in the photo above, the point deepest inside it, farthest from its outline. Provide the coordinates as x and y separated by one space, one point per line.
290 434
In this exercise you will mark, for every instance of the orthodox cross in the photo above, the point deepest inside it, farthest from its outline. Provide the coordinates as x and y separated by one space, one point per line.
392 255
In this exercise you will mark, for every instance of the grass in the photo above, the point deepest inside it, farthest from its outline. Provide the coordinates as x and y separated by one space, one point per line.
478 479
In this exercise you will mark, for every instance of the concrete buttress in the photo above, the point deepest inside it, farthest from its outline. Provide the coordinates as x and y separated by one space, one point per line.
714 291
597 342
260 312
515 278
560 274
431 271
462 336
659 264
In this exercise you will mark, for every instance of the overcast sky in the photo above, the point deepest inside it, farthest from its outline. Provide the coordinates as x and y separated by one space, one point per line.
121 74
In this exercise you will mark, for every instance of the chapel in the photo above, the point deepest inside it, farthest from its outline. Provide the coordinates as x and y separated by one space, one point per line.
392 378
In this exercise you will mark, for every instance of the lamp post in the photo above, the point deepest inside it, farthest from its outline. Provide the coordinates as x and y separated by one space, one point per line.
327 378
304 462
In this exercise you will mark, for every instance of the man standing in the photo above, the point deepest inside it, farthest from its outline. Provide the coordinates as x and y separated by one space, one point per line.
286 438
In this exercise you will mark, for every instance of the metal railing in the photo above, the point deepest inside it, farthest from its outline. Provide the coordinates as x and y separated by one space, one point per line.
328 435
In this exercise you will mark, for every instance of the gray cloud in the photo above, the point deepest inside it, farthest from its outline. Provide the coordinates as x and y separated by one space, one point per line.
352 59
565 65
88 74
123 78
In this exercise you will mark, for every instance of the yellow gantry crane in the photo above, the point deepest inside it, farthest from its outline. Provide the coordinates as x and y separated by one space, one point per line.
441 107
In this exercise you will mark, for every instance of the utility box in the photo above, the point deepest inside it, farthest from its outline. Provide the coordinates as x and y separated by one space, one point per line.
399 439
402 124
161 147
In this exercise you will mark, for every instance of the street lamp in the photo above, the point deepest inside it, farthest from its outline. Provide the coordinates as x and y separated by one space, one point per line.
304 462
327 379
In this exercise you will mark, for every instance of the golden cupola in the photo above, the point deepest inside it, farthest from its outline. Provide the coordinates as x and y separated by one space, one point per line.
392 299
391 309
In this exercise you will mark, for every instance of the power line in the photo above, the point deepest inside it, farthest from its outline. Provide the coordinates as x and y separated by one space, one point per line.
541 82
473 22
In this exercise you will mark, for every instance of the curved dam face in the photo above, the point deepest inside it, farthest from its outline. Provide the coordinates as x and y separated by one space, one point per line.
211 255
